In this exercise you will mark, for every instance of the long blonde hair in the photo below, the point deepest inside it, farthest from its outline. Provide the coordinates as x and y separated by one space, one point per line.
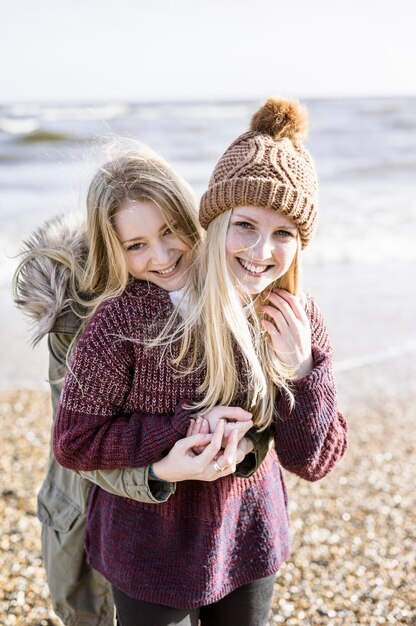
139 174
85 261
217 325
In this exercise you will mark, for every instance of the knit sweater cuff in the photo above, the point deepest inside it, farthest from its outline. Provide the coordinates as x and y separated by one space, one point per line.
300 432
313 380
181 419
315 399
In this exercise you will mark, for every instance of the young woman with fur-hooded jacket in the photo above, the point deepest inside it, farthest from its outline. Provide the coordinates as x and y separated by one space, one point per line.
47 287
247 335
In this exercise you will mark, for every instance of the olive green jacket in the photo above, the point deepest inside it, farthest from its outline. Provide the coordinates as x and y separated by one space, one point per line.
80 595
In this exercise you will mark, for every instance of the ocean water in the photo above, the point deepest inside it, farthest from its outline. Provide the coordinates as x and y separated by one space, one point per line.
365 153
363 259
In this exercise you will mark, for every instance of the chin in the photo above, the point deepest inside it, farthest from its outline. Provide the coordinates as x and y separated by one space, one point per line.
175 285
252 290
256 291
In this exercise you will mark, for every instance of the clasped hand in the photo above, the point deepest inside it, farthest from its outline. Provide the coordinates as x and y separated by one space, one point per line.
204 455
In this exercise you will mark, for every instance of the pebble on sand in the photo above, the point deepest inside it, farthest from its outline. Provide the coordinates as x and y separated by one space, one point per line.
353 534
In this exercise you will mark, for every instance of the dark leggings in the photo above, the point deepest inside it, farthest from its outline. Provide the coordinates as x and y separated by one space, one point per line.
248 605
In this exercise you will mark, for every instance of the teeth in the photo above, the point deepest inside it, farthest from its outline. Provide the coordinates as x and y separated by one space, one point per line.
256 269
169 270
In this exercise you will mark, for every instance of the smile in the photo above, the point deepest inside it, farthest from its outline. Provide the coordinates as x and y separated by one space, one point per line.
169 270
253 268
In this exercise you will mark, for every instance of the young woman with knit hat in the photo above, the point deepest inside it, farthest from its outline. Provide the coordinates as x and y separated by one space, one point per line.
247 336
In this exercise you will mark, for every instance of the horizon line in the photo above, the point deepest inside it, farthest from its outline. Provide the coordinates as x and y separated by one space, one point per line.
196 100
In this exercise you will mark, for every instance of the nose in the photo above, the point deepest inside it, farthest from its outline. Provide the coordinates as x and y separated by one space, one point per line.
262 249
161 254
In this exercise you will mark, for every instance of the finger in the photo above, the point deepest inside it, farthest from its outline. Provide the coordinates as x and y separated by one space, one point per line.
198 424
240 429
294 302
284 350
201 427
219 432
240 456
229 455
214 446
198 450
277 304
270 328
204 426
245 446
233 413
277 316
190 427
193 442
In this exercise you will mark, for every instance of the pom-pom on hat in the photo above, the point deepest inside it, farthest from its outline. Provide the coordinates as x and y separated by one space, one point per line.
267 167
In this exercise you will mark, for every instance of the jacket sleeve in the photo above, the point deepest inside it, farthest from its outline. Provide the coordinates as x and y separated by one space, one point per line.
312 437
131 483
92 430
262 442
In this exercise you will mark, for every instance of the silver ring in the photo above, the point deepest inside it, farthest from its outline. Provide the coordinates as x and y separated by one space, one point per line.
218 467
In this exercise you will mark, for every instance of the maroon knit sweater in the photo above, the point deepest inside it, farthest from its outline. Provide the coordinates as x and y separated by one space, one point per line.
122 407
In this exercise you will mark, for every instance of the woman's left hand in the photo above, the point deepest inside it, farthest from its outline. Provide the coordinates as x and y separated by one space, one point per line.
289 331
214 462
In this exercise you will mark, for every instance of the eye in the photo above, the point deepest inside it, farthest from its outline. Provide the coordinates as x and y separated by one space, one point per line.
135 246
171 230
284 233
244 225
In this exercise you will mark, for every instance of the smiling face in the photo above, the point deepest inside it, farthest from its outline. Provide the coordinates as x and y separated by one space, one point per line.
152 250
260 246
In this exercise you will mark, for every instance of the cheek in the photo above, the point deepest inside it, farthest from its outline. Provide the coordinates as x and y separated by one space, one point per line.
177 243
187 254
284 255
230 253
186 249
231 244
244 242
135 265
187 258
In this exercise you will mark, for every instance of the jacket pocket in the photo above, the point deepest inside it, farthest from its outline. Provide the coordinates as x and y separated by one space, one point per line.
80 595
56 509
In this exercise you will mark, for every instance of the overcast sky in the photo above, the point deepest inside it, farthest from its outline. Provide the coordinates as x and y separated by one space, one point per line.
72 50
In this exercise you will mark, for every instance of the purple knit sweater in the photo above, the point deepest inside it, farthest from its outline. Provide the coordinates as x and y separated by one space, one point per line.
123 407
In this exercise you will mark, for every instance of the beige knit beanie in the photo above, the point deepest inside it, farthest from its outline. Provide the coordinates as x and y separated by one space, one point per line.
267 167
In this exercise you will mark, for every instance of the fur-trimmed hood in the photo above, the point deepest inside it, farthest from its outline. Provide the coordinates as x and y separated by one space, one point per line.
43 285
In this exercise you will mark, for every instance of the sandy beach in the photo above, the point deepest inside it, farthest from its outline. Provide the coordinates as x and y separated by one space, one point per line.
353 559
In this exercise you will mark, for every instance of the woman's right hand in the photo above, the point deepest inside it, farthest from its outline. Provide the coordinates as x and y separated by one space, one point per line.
183 464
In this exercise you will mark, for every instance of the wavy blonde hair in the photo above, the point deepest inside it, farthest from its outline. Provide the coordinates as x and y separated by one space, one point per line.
78 265
139 174
221 322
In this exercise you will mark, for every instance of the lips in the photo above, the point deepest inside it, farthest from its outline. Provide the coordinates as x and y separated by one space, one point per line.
253 268
169 270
